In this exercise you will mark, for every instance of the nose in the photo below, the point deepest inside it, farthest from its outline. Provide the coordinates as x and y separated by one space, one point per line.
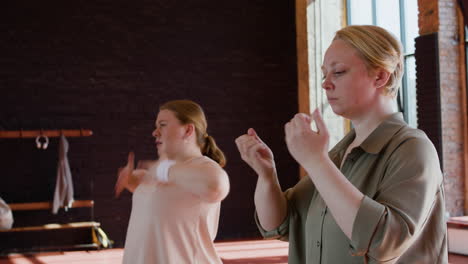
156 132
326 83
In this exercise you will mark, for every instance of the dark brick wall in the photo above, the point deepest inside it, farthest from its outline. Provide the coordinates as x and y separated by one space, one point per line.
440 73
107 65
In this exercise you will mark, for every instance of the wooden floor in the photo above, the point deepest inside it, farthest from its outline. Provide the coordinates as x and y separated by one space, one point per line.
245 252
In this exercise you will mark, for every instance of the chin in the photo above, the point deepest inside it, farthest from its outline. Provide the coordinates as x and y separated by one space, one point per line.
341 112
337 110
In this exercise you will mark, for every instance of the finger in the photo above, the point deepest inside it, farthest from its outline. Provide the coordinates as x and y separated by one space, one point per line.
246 148
299 121
253 133
259 151
117 192
118 189
240 141
303 121
131 160
244 140
122 178
253 150
253 144
321 127
287 130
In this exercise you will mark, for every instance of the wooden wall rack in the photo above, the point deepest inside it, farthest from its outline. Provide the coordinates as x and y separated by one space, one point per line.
47 133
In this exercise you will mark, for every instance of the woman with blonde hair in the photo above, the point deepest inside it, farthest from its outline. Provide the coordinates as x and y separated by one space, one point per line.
176 200
377 196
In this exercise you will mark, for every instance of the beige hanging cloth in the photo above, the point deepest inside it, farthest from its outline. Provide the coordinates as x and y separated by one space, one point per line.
64 184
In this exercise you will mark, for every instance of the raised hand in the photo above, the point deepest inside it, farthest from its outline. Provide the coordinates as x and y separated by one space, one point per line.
256 153
305 144
125 174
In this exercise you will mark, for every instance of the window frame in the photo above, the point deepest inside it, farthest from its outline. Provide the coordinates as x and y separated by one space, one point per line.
404 91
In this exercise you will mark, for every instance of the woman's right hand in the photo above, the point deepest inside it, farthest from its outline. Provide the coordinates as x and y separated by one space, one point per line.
125 174
256 153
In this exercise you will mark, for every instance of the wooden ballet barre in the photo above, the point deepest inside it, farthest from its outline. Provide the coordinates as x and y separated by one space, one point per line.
47 133
53 226
47 205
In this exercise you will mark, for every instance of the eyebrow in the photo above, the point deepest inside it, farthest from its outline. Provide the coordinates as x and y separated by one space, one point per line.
160 121
332 64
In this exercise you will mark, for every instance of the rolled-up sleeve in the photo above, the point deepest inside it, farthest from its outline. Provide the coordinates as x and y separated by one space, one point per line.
281 232
386 224
369 215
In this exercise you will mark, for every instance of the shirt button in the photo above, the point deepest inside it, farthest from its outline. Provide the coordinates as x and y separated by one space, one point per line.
318 243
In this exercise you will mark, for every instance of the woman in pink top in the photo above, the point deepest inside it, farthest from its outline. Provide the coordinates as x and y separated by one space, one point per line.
176 200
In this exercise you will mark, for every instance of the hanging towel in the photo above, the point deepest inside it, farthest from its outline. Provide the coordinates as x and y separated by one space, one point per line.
64 184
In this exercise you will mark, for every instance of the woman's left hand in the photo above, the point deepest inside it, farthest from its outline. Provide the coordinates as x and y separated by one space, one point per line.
306 145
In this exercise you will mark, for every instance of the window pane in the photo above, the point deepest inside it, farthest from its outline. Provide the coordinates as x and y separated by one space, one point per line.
466 33
360 12
388 16
411 24
410 95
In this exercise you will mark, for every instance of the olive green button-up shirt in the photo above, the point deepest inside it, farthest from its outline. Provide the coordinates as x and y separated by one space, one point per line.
401 218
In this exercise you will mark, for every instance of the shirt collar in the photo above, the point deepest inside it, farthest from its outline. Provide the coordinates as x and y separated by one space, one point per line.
379 138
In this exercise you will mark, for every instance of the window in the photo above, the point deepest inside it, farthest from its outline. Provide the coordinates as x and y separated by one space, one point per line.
400 17
466 57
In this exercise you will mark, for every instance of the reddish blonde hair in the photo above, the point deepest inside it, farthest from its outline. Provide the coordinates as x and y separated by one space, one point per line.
189 112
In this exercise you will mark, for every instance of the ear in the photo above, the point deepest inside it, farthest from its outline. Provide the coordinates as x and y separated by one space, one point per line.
381 78
189 130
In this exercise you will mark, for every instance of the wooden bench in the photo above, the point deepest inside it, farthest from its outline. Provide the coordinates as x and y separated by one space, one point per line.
50 236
